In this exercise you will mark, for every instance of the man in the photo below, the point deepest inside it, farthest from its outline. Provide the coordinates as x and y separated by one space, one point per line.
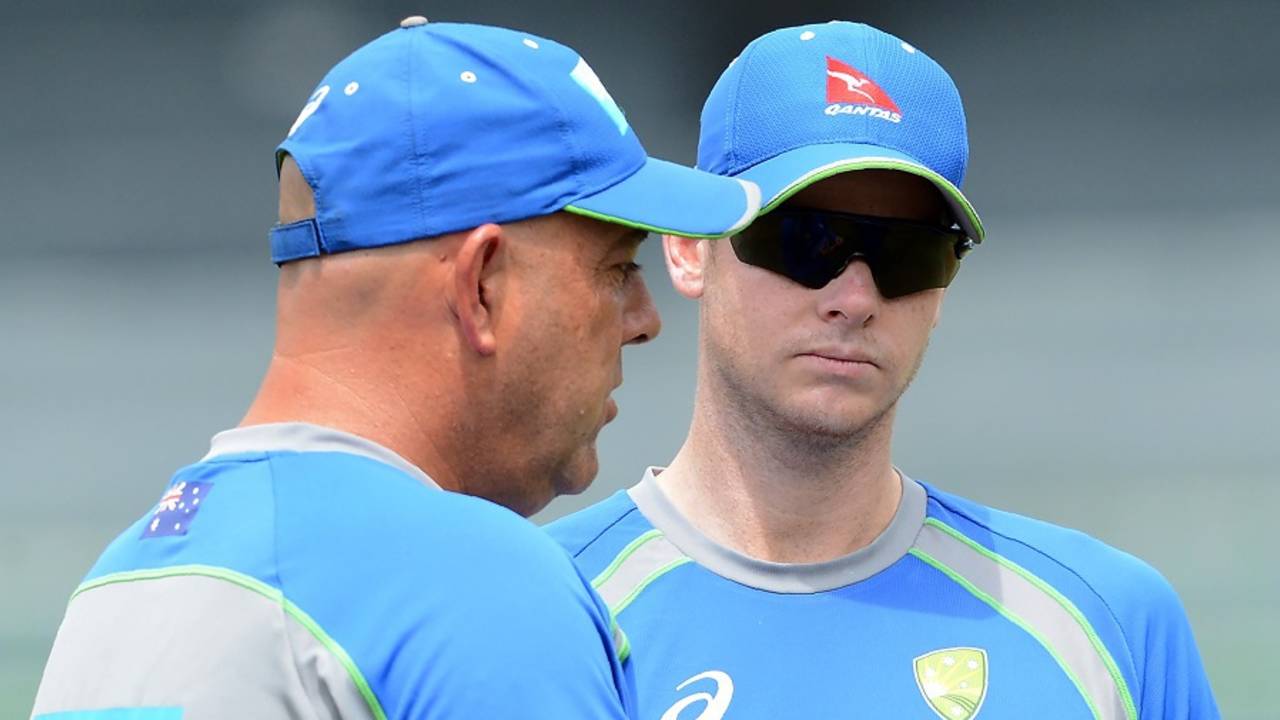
781 566
460 207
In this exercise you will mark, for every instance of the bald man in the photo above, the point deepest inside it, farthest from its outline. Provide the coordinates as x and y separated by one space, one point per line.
460 208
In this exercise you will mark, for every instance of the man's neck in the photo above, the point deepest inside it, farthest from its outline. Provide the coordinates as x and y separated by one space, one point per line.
777 496
293 391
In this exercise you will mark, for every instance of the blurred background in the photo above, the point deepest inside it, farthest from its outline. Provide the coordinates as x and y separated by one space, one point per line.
1107 359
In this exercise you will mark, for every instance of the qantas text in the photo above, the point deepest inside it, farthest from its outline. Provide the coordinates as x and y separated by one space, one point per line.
875 112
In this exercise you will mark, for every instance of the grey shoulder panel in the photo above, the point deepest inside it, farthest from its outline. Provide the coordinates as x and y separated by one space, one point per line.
1032 608
211 647
642 561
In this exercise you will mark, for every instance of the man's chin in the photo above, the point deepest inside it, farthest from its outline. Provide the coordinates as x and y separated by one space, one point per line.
536 488
832 424
579 473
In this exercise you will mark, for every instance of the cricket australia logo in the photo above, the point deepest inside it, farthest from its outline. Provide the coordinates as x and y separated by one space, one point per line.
953 681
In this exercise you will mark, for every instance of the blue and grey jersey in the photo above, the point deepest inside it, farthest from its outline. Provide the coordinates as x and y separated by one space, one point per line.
302 572
956 611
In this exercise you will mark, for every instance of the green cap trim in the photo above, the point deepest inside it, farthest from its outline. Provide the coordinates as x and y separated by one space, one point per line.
645 226
267 591
751 190
951 192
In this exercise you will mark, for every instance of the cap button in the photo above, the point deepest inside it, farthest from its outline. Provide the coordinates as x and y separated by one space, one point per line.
413 21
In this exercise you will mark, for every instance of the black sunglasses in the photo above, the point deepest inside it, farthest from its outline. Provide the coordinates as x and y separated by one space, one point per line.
813 247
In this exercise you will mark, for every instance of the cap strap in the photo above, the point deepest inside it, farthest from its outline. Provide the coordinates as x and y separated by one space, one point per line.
295 241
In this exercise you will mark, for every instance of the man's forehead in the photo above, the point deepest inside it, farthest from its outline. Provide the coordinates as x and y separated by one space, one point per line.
874 192
610 236
590 240
633 236
626 242
871 181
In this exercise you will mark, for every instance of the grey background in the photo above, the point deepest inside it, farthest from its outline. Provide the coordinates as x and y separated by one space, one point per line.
1107 360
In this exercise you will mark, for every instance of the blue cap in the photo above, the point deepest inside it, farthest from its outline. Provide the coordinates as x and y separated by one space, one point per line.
804 103
438 128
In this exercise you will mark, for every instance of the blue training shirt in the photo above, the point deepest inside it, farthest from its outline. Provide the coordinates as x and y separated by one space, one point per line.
956 611
302 572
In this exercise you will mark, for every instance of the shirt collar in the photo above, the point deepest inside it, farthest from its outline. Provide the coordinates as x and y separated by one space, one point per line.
305 437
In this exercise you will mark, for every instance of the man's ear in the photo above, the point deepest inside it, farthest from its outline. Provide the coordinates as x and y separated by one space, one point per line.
476 288
297 202
686 264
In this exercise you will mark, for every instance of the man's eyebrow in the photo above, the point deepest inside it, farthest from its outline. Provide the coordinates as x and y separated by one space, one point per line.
627 239
635 235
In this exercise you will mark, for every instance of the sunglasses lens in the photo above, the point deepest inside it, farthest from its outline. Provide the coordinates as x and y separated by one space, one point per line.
810 254
814 247
915 258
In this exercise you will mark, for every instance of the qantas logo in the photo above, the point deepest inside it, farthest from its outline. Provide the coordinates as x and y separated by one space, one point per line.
714 704
851 92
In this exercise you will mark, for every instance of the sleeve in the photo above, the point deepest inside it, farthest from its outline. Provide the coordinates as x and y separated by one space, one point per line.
538 646
1173 683
445 607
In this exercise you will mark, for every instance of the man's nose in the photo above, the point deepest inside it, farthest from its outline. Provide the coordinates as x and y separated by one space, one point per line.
852 297
641 321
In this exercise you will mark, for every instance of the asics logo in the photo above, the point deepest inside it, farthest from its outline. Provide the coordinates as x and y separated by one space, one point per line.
714 704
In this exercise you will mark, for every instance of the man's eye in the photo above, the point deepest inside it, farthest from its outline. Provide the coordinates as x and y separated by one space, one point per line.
629 269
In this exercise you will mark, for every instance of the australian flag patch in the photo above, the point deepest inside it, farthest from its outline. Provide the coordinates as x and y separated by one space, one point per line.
176 510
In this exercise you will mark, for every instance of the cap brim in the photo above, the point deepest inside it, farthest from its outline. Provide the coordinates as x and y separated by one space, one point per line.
784 175
671 199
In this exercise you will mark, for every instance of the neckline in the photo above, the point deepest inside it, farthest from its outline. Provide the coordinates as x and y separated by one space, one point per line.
887 548
306 437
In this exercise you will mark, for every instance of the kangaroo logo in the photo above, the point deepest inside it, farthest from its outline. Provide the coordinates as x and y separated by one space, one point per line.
852 83
847 84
